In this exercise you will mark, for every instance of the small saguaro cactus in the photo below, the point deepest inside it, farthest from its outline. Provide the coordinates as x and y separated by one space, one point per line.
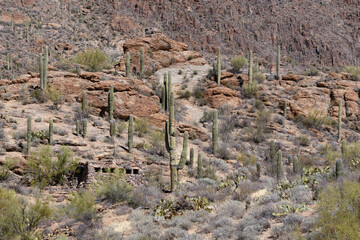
218 75
279 167
258 169
285 106
278 62
183 157
111 102
112 127
83 103
29 132
199 166
130 132
296 164
272 151
45 66
51 125
343 147
339 167
215 132
84 131
250 66
191 163
142 61
41 70
339 121
77 128
127 65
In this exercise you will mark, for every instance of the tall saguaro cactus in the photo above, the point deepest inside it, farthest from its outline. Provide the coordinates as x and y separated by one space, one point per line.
278 62
142 62
41 70
272 151
84 131
131 133
339 121
199 166
45 66
279 167
215 132
250 66
218 75
111 102
169 90
51 126
112 127
127 65
29 132
165 95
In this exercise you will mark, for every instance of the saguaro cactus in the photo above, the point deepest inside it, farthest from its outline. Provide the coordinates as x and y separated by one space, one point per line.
218 75
296 165
199 166
127 65
142 62
339 121
339 167
183 157
215 132
41 70
170 143
279 167
278 62
111 102
343 147
258 169
83 103
130 132
29 132
84 131
191 163
51 125
272 151
45 66
165 96
169 90
250 66
112 127
285 106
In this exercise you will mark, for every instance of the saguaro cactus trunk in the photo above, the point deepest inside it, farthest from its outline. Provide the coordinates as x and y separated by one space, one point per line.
29 134
130 133
219 67
111 102
215 132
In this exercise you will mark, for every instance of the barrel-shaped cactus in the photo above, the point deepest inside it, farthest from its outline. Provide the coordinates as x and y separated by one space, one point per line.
127 65
112 127
279 166
191 162
250 66
339 168
29 134
215 132
142 62
131 133
339 121
218 75
84 130
199 166
111 102
51 126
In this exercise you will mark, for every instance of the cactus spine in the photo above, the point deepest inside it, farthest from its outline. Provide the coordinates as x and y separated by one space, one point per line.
258 169
83 103
215 132
279 168
142 61
278 62
84 132
339 121
127 65
219 67
45 66
199 167
339 167
51 125
130 132
112 127
111 102
191 163
29 132
41 70
250 66
296 165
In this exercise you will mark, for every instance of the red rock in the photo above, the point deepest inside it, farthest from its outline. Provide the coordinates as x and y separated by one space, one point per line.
351 95
292 77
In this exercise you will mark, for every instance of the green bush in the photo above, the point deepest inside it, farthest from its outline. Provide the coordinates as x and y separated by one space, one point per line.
115 190
329 153
94 59
45 169
141 126
351 154
55 96
82 206
259 77
250 89
303 141
184 94
238 62
312 72
339 211
354 72
316 118
20 219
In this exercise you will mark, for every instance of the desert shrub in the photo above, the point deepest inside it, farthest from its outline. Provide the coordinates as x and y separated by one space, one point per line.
316 118
55 96
238 62
354 72
231 208
301 194
246 159
251 226
339 211
94 59
20 219
144 225
351 154
115 190
312 72
227 125
330 153
45 169
108 234
224 152
219 164
121 127
82 205
259 77
207 116
184 94
244 190
157 142
10 164
257 133
145 196
198 93
303 141
141 126
250 89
